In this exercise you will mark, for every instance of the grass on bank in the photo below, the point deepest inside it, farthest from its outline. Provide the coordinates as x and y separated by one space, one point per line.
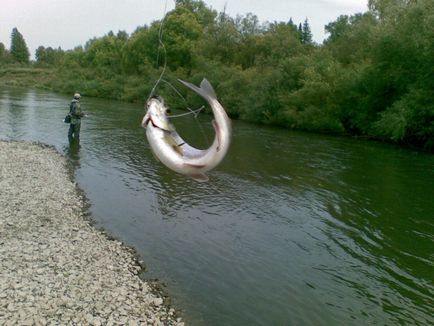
27 77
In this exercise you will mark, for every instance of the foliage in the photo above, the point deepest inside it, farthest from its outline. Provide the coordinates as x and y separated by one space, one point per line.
405 55
19 51
373 76
48 56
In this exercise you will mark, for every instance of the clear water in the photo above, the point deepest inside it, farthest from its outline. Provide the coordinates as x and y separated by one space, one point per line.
291 229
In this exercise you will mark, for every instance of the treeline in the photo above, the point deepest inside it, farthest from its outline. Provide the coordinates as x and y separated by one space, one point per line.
372 77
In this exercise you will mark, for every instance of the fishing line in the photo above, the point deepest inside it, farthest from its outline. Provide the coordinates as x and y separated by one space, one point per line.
191 111
163 72
160 79
194 112
175 89
160 44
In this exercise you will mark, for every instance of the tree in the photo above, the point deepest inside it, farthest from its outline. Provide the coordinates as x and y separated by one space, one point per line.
182 30
351 38
105 52
122 35
338 28
204 15
278 42
19 50
141 50
383 9
2 52
306 34
48 55
249 30
403 68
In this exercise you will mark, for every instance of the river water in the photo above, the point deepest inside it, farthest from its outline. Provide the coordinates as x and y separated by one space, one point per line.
291 229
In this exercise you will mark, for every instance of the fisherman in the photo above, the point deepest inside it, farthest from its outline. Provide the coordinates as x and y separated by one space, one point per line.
76 114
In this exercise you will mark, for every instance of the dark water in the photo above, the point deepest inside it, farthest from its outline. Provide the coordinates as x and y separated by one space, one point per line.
292 229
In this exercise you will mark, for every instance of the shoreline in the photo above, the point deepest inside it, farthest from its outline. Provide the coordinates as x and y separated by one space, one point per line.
56 267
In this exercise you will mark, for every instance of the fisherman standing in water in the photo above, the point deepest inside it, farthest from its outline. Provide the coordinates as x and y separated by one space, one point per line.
76 115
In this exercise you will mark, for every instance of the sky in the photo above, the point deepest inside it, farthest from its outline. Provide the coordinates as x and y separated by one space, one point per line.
70 23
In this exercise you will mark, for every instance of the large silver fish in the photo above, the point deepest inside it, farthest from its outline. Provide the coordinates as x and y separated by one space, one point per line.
173 151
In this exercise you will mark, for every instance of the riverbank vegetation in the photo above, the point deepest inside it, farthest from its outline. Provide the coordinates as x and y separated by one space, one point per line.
372 77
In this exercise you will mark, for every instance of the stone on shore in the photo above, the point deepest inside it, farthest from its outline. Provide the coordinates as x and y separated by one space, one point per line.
55 268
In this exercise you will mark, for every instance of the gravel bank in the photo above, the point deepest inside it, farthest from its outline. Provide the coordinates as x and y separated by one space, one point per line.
55 268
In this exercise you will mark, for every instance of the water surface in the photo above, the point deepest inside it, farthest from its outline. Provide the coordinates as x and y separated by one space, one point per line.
291 229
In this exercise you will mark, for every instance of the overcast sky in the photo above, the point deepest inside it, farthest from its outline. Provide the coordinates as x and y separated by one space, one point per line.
69 23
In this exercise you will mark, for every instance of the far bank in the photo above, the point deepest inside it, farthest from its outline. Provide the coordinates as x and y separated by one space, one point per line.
133 88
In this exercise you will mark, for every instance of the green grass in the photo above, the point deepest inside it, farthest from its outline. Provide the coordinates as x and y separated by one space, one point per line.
26 77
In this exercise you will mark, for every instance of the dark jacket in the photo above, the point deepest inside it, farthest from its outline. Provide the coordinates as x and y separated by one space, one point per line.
75 112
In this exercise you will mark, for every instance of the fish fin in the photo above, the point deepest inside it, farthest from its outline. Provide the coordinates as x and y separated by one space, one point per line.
200 177
172 142
178 149
198 166
207 87
205 90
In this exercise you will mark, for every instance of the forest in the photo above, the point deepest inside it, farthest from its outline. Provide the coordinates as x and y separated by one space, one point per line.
373 76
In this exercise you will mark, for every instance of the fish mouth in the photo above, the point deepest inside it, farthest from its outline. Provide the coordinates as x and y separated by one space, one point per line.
147 120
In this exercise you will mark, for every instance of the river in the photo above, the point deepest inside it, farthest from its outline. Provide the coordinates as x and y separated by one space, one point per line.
292 228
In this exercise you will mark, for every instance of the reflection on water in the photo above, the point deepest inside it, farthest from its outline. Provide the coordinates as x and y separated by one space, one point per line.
292 229
72 151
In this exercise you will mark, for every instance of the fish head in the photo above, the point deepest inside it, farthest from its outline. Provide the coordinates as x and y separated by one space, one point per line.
157 114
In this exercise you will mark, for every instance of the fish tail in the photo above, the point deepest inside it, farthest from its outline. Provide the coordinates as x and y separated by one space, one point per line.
205 90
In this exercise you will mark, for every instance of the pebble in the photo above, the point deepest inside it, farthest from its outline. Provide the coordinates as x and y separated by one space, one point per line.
158 301
56 268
